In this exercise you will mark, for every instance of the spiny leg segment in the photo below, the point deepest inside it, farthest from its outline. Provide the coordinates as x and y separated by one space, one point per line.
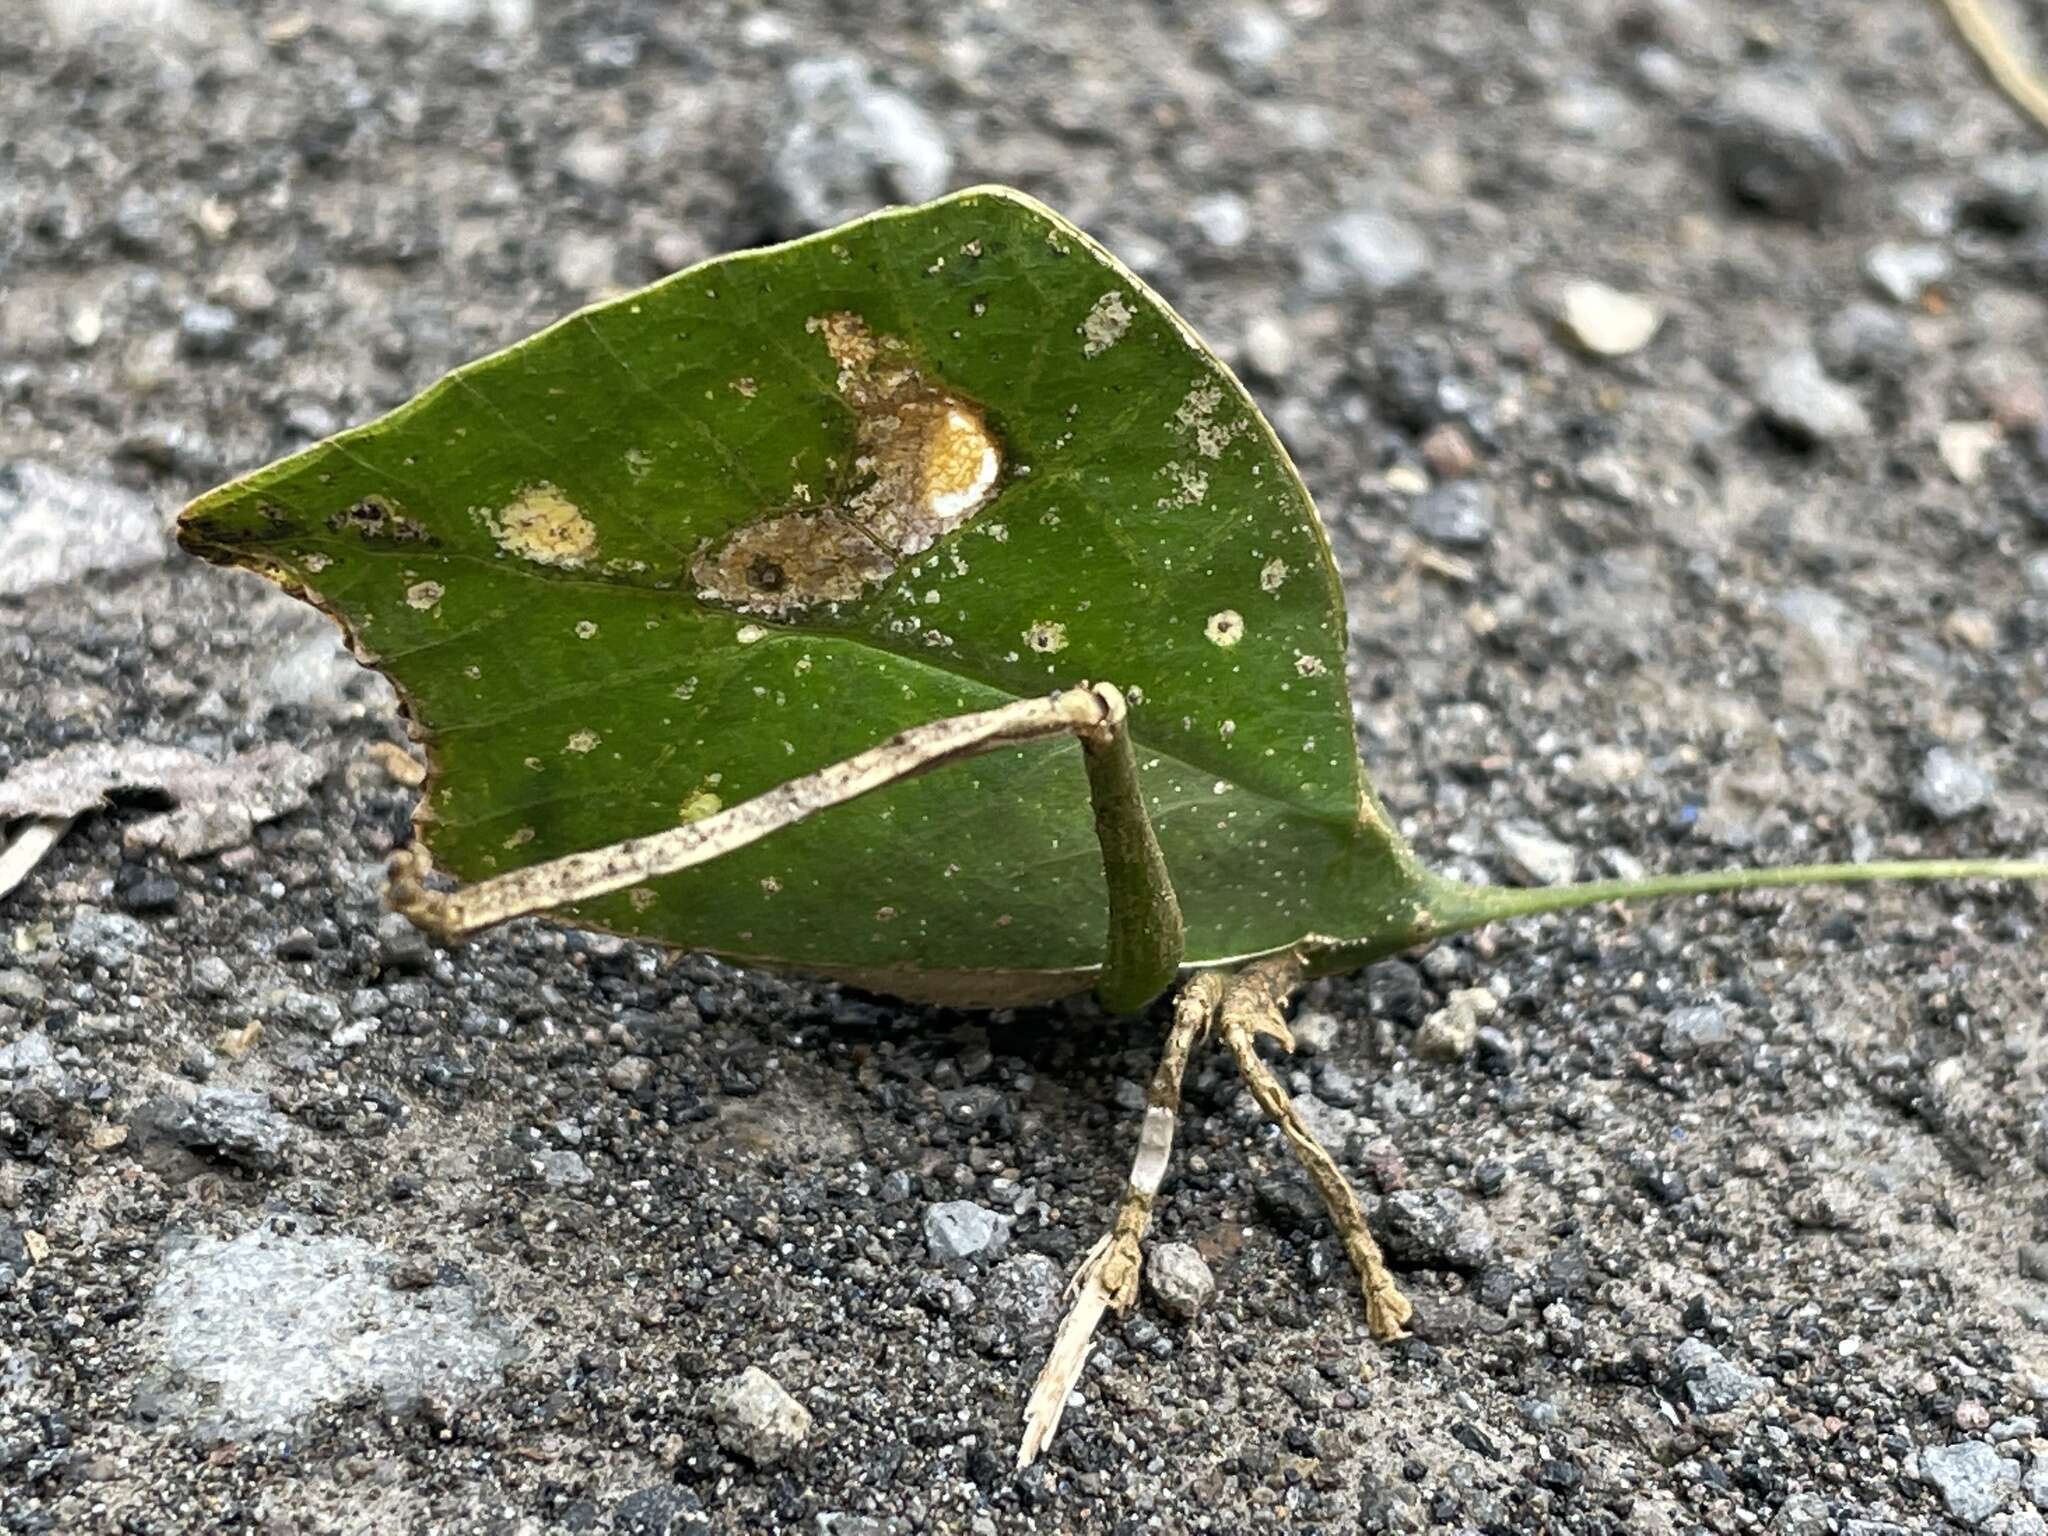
1239 1009
1255 1005
1145 938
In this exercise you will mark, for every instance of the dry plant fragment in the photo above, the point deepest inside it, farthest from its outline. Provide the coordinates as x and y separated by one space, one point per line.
1146 936
2008 70
216 805
36 838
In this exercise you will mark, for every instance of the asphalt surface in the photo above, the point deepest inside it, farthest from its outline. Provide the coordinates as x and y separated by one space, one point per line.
1728 1216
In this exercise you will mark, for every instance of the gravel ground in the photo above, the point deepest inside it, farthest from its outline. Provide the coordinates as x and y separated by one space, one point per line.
1727 1216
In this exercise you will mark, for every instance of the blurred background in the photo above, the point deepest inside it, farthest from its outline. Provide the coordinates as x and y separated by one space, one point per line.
1674 380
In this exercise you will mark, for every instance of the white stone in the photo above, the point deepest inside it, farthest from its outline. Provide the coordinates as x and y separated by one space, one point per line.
1607 322
1964 445
56 528
275 1327
755 1417
1179 1279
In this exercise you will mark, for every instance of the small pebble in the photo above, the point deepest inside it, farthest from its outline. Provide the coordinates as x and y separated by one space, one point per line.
1903 272
957 1230
299 944
1363 253
1269 347
1974 1481
1449 1033
1605 321
1222 220
1700 1028
151 893
1179 1280
1964 446
1712 1384
629 1074
1533 856
1315 1032
208 330
1448 452
1458 515
755 1417
850 140
1949 786
1434 1227
1806 405
1250 42
1775 151
1866 340
560 1169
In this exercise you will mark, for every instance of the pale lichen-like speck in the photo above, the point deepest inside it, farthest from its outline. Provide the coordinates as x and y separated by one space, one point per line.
582 741
1225 628
542 525
1105 325
1046 636
424 594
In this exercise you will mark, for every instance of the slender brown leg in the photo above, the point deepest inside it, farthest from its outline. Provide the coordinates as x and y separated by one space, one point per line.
1108 1277
1253 1005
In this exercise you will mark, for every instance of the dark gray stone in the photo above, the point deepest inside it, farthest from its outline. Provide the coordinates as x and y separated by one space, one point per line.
1458 515
1433 1227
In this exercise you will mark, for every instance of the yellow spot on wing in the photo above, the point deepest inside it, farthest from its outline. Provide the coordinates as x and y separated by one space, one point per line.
542 525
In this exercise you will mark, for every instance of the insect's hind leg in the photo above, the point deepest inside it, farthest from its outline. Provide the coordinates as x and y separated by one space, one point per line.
1254 1004
1108 1277
1145 933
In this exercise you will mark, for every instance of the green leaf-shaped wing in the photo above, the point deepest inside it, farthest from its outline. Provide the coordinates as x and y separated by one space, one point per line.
689 543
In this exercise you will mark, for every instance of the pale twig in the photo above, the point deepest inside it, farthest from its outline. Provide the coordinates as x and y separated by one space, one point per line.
2022 86
20 857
